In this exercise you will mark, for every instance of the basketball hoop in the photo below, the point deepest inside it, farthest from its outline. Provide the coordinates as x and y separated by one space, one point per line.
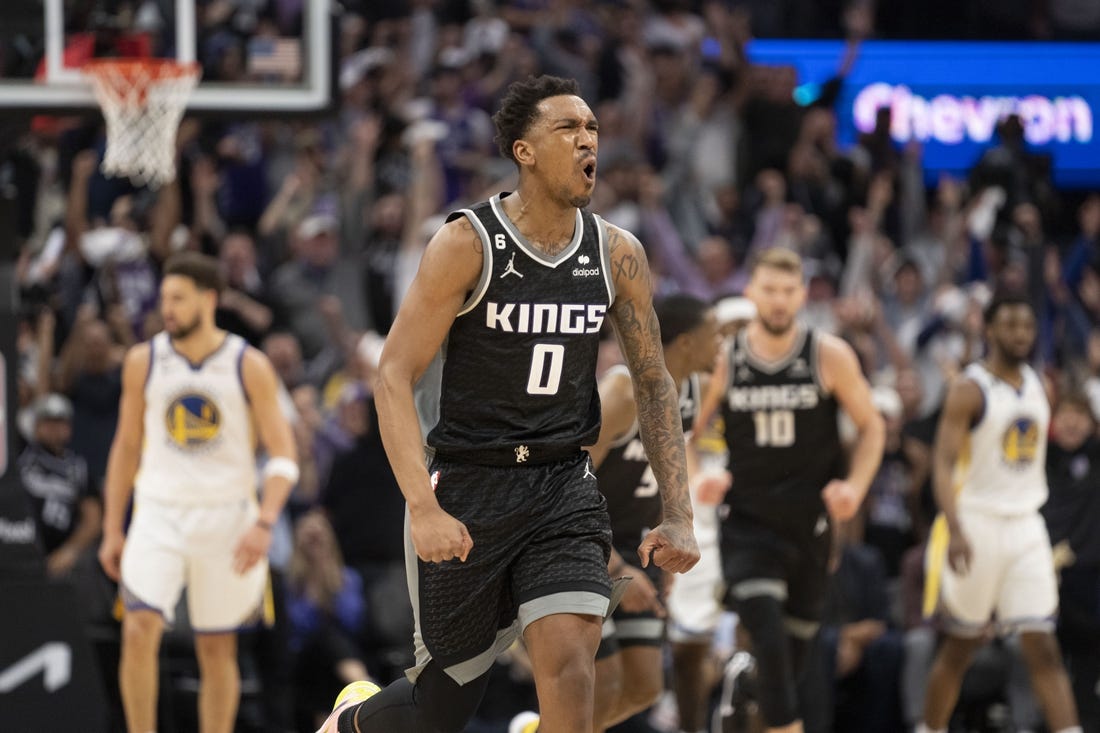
143 102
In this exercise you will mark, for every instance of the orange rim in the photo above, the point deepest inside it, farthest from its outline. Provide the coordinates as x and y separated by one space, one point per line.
137 69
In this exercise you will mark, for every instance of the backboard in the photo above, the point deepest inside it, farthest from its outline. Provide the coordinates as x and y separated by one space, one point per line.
258 56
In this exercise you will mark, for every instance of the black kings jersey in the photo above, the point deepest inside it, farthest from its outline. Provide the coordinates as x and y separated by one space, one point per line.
781 431
627 480
519 364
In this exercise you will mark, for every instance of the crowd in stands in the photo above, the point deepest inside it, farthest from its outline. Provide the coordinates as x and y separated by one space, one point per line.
320 224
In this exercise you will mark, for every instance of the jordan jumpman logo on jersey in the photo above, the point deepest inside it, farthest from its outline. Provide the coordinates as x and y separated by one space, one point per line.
511 269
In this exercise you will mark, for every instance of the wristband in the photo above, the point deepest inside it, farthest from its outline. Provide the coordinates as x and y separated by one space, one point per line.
282 467
263 524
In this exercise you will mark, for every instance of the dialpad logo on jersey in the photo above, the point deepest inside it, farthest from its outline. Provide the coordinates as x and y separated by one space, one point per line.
193 421
1020 443
585 271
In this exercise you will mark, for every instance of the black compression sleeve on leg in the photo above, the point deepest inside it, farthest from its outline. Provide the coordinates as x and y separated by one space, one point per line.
800 652
762 617
436 704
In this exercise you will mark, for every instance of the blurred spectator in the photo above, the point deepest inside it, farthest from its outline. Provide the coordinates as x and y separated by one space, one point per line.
244 307
122 248
327 612
89 371
367 511
861 656
889 522
286 357
317 270
67 509
299 194
1072 514
464 134
339 432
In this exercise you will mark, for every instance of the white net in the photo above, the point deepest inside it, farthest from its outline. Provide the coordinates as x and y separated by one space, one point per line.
143 103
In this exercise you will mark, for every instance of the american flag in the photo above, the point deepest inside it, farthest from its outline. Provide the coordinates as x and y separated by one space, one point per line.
281 57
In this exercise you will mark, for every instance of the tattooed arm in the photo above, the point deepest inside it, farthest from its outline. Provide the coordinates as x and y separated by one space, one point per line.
671 544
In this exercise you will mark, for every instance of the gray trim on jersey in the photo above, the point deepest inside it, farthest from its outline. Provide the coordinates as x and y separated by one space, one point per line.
428 391
755 587
800 628
412 576
815 368
486 263
152 362
640 628
574 601
531 250
605 258
773 366
699 395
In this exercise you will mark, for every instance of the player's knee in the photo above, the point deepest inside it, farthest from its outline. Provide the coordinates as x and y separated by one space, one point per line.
958 651
215 648
572 669
641 691
141 629
763 618
1040 651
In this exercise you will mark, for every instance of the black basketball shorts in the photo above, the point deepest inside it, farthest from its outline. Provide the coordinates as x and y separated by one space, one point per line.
542 540
787 561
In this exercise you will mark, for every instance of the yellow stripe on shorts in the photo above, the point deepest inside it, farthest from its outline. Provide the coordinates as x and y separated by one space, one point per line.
935 556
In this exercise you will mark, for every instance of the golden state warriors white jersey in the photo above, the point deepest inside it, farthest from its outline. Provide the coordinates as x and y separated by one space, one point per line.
199 440
1003 468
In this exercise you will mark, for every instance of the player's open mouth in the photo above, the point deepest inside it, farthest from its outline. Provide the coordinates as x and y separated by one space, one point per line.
589 171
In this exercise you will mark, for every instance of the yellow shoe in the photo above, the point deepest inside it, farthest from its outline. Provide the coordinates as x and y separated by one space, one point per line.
352 694
524 723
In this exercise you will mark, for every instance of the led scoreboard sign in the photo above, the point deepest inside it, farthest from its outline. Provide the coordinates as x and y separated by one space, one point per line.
949 97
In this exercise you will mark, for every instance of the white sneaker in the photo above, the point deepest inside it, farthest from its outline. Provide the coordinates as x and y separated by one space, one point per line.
352 694
524 723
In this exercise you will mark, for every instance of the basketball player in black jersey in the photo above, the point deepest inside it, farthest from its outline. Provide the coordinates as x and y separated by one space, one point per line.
507 530
628 662
785 387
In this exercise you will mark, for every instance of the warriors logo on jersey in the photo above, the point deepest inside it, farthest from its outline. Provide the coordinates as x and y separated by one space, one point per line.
1020 443
192 420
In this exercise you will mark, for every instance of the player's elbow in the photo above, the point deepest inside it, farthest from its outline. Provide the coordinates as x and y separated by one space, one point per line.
873 429
125 448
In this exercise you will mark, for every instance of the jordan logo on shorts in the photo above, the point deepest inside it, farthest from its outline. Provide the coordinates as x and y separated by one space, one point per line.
522 453
588 468
511 268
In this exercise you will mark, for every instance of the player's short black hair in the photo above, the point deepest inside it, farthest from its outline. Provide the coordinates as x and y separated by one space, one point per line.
519 108
201 269
679 314
1004 299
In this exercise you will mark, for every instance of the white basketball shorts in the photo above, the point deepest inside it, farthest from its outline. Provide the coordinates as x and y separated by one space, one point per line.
1011 577
172 546
693 601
